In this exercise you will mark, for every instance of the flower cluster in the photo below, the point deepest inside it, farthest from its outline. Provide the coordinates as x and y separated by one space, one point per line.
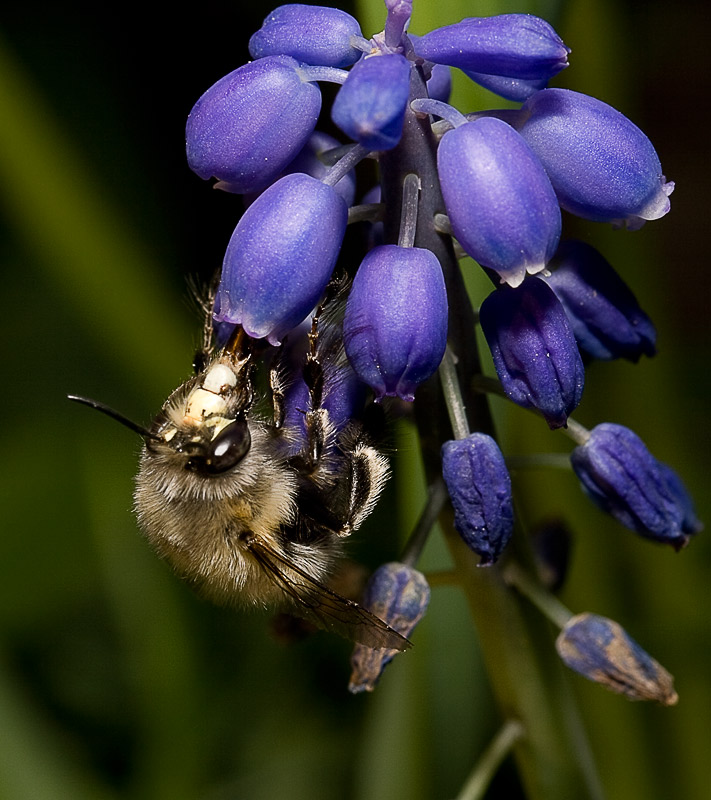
494 180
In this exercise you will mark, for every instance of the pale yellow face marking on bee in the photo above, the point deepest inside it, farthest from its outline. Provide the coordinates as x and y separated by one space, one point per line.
219 379
209 400
203 403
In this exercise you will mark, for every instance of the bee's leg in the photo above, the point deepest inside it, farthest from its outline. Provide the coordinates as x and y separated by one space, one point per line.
317 423
205 299
277 385
341 507
368 473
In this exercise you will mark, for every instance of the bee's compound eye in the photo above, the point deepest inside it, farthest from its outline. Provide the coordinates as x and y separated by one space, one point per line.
228 448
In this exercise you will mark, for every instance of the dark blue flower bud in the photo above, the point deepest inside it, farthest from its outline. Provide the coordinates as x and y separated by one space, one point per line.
399 595
247 127
513 45
601 650
624 479
534 350
316 35
601 165
395 325
281 256
502 207
603 312
516 89
480 489
370 106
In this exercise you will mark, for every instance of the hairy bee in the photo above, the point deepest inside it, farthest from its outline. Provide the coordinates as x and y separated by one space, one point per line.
250 508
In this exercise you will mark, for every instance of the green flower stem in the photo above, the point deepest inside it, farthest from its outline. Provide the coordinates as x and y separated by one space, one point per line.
436 499
526 675
501 745
545 602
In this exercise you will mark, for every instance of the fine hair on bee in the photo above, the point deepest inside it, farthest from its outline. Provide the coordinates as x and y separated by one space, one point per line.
250 495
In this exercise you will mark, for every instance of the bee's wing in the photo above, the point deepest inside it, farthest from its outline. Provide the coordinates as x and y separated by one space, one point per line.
322 606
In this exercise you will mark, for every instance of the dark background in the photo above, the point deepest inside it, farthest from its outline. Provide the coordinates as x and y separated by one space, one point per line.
115 681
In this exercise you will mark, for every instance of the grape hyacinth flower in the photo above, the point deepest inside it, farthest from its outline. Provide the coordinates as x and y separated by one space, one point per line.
501 205
480 489
370 108
534 350
395 326
398 594
603 312
315 35
247 127
281 256
402 326
601 165
624 479
601 650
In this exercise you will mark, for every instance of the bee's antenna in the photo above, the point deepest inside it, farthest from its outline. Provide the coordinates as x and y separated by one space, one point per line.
135 427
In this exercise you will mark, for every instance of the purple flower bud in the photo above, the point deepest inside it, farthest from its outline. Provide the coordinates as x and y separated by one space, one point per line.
624 479
534 350
395 325
516 89
480 489
513 45
281 256
601 650
399 595
601 165
370 106
316 35
603 312
247 127
500 202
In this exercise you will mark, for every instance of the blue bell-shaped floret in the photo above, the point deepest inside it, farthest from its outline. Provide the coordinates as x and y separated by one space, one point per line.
247 127
315 35
480 489
534 350
395 325
370 106
624 479
281 256
399 595
511 45
603 312
502 207
601 165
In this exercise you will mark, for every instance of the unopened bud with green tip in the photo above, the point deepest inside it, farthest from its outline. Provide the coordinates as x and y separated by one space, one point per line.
601 650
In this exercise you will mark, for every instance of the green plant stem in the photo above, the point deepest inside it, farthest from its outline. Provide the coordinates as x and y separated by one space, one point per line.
526 676
480 778
544 601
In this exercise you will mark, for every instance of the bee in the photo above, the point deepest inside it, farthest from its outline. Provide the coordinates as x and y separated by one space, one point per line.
253 508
